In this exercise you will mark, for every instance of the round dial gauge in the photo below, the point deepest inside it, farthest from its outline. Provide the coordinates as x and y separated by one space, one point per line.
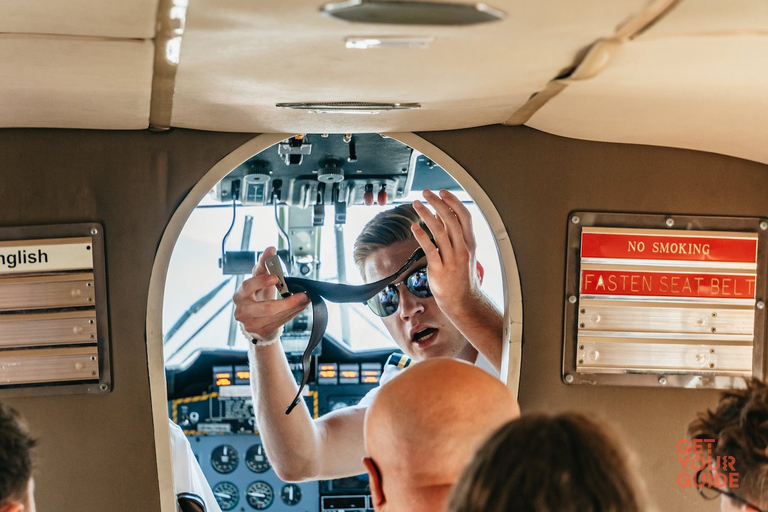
226 494
339 405
260 495
256 459
291 494
224 459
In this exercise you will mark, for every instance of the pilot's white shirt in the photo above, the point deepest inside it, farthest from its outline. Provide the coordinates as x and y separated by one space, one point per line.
391 371
187 474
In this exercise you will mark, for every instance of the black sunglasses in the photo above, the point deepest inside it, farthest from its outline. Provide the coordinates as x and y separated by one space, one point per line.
387 300
709 491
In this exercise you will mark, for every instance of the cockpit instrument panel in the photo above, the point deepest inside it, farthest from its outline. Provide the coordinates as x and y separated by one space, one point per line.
211 401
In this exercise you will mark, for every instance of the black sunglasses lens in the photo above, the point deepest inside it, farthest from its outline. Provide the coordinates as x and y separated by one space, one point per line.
385 302
418 284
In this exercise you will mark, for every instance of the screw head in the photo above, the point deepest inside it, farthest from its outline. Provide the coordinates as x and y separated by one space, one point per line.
760 304
575 219
103 387
572 299
569 378
662 381
669 222
763 225
94 231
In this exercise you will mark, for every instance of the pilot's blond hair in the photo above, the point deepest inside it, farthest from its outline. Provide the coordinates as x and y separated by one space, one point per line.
385 229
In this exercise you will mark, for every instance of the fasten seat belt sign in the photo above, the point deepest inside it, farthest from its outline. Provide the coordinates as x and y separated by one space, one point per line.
657 300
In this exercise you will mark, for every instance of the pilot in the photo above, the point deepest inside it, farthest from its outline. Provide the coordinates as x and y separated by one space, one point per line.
16 483
422 430
444 315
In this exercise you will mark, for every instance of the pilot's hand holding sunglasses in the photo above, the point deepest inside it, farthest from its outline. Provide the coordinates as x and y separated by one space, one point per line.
257 306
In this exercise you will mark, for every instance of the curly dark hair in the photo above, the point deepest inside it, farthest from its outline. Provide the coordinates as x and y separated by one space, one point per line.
739 426
15 456
540 463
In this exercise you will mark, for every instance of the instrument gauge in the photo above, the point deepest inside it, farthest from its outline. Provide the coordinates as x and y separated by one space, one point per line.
291 494
339 405
227 495
260 495
224 459
256 459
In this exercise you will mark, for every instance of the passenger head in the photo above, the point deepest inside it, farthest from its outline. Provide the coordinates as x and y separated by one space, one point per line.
564 463
423 428
16 484
418 326
739 427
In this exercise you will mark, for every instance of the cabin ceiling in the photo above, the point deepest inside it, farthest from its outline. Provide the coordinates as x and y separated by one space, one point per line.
680 73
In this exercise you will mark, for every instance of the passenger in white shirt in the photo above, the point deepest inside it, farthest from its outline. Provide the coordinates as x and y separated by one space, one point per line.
187 473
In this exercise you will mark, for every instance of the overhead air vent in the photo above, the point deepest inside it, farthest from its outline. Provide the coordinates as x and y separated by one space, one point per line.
348 107
367 43
400 12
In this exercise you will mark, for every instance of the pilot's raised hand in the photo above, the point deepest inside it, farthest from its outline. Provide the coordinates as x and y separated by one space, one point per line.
454 276
257 306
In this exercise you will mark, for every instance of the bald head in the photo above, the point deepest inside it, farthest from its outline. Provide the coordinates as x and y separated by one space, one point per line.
426 424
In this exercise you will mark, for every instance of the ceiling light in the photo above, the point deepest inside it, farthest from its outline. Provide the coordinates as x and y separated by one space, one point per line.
411 12
347 107
366 43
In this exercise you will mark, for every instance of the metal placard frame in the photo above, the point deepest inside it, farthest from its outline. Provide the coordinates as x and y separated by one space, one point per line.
683 223
95 232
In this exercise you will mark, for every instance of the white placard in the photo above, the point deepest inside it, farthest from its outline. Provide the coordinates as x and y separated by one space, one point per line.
25 256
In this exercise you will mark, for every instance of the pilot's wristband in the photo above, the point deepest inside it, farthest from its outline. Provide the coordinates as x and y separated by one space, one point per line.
260 342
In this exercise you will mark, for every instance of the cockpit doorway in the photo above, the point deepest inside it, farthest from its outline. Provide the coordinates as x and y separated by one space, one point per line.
195 348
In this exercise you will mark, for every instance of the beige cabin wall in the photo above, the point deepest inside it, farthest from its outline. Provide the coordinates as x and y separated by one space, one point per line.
97 452
535 180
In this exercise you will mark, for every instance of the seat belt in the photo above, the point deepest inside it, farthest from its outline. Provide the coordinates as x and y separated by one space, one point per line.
339 293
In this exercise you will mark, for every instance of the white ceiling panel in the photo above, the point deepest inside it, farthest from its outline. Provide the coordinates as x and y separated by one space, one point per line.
712 17
699 93
69 83
239 58
102 18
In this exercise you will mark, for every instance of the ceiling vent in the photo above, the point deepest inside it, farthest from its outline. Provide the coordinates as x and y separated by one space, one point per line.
348 107
400 12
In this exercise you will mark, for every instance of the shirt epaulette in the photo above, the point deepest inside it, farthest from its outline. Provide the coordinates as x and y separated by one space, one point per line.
399 360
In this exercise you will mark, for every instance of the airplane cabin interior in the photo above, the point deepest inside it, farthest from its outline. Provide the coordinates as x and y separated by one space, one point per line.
612 155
